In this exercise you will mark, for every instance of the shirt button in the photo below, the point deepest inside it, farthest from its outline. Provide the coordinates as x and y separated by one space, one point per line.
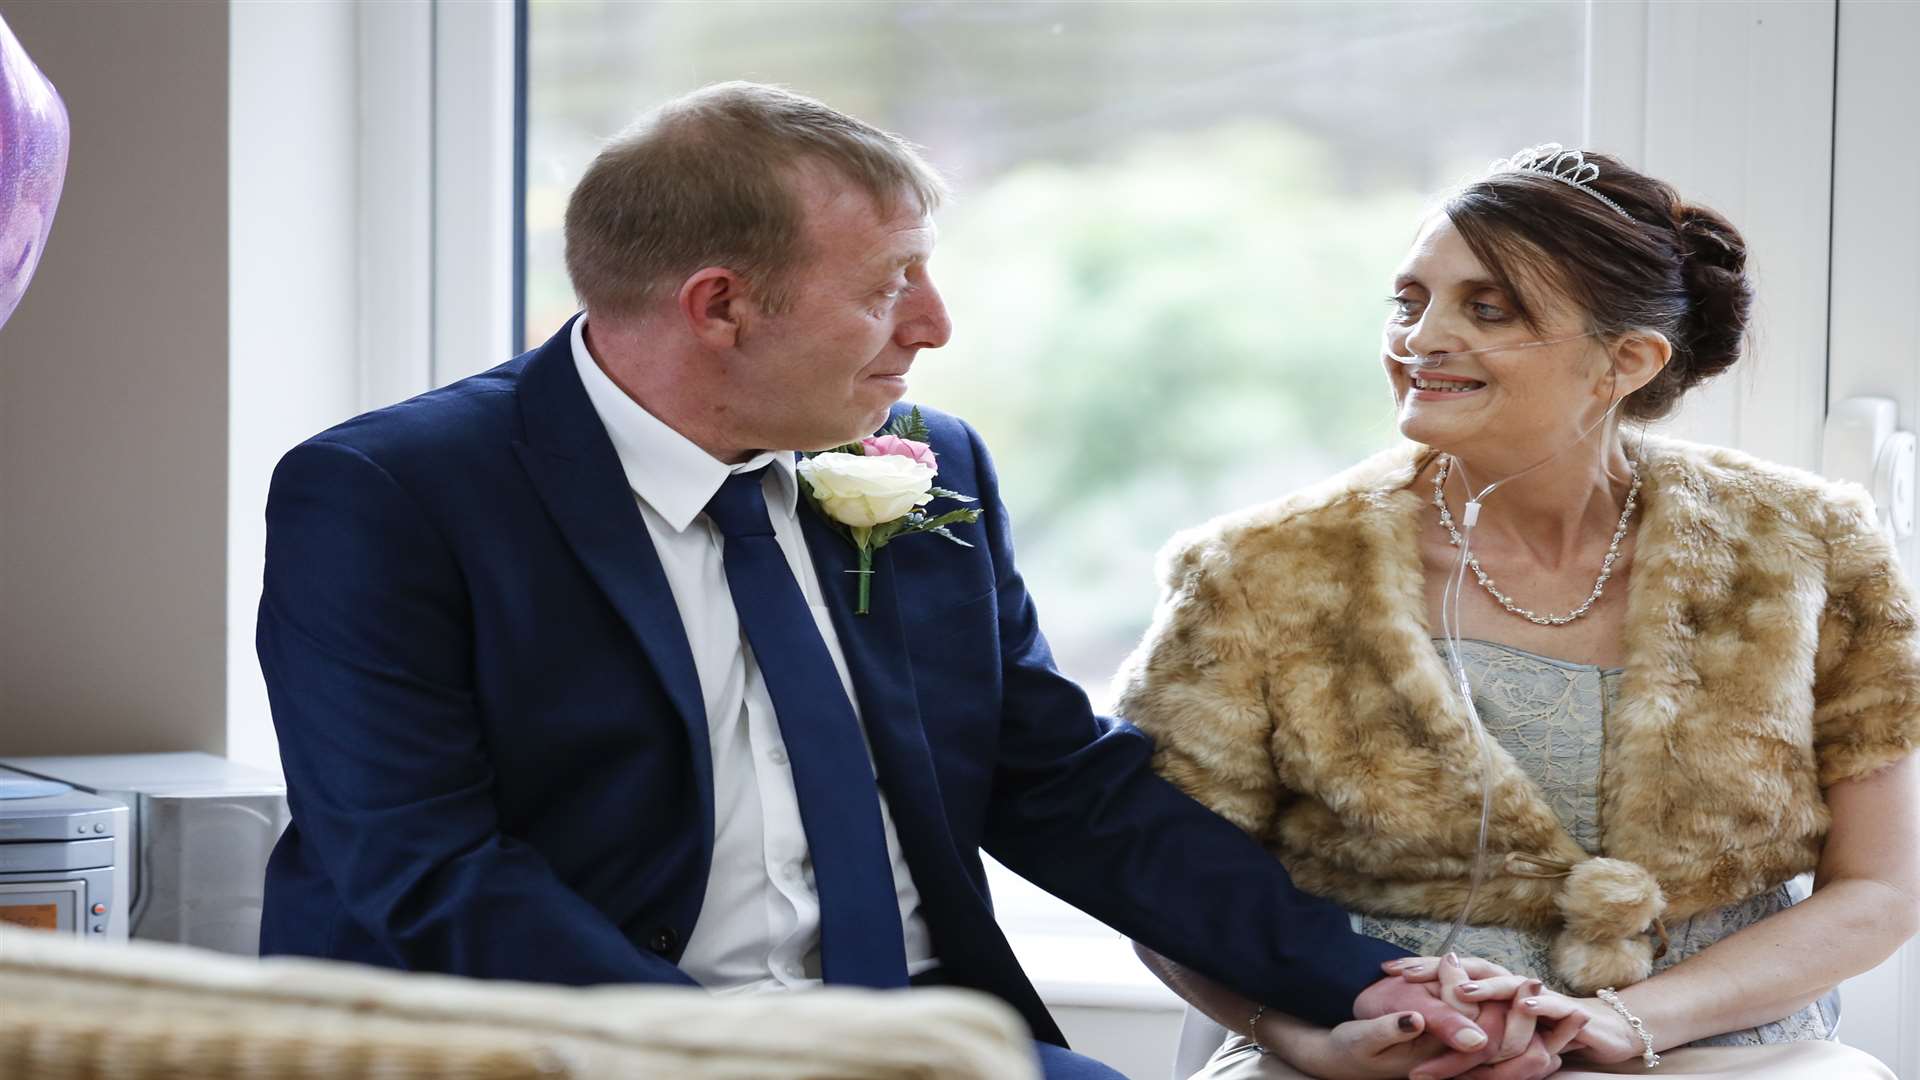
777 756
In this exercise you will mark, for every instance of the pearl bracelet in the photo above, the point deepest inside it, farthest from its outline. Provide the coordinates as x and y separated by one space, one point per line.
1607 994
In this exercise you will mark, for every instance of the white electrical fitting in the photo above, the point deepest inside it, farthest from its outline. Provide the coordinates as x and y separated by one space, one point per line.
1864 444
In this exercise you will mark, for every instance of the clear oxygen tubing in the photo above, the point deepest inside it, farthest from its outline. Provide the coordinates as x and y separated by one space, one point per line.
1450 615
1417 361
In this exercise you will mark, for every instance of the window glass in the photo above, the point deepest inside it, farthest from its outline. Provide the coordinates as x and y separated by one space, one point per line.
1175 227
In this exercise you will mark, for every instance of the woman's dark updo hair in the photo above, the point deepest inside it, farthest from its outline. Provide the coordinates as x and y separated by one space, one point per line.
1676 268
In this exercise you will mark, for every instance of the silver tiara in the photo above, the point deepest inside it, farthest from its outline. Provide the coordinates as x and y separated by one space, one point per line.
1569 167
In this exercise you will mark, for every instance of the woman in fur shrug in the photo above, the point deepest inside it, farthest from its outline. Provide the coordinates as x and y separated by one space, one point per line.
1748 667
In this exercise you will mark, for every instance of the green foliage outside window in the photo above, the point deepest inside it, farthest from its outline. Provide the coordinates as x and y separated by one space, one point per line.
1174 228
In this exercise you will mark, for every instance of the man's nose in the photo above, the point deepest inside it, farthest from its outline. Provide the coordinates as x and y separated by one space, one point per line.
928 326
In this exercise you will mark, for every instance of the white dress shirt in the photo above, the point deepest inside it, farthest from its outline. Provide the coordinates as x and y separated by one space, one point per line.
759 926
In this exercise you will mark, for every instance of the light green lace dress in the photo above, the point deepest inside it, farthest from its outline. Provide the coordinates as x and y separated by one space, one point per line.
1550 715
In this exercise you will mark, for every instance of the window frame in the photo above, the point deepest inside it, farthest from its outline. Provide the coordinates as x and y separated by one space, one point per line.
1872 352
441 193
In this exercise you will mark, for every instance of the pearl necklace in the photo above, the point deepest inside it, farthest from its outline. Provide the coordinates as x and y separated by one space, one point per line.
1606 567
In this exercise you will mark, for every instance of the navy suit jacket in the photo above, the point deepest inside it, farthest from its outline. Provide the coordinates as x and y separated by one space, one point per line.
496 750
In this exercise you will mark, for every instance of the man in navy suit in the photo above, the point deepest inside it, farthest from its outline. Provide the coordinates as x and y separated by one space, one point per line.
569 681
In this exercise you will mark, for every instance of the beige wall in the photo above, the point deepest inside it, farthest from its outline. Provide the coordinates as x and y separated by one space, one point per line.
113 395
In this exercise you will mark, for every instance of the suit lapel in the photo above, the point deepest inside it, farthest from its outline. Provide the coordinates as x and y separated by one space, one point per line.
578 476
874 644
882 673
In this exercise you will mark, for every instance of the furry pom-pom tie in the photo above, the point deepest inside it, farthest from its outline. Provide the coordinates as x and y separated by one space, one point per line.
1608 906
1587 966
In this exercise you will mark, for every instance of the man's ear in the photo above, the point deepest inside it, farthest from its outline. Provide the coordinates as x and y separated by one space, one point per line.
1638 357
712 304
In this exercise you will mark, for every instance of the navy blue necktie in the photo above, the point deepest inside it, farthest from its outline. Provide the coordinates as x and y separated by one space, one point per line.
861 942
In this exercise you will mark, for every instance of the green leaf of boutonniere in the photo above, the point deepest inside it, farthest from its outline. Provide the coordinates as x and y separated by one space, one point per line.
911 426
939 524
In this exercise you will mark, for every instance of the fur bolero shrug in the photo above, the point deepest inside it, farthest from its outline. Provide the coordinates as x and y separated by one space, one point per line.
1290 683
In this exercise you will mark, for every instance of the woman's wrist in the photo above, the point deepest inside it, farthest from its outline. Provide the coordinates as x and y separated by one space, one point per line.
1638 1036
1657 1014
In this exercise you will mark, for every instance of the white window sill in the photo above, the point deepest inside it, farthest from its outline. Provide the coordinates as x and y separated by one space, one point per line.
1091 972
1073 959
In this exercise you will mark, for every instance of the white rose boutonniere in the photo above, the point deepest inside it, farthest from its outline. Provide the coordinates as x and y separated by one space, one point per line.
862 492
877 490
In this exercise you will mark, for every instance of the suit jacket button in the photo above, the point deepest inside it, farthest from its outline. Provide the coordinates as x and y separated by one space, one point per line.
664 940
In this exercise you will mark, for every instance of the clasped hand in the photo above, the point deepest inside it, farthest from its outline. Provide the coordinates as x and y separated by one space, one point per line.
1434 1018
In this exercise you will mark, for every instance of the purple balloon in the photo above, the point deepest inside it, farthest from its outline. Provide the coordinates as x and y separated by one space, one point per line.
33 165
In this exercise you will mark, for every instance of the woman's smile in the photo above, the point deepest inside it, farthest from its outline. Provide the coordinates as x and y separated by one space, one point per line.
1433 386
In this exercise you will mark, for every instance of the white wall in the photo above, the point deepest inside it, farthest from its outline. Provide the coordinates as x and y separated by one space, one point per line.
293 192
113 396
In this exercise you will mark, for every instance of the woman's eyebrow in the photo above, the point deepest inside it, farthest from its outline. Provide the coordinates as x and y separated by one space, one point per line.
1466 285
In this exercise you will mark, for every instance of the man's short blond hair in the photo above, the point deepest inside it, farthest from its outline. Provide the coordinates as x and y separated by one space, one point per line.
708 180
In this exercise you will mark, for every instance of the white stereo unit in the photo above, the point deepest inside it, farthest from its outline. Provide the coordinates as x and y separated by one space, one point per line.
63 858
196 829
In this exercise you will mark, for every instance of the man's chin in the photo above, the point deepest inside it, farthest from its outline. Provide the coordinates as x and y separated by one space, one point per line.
871 419
876 417
853 435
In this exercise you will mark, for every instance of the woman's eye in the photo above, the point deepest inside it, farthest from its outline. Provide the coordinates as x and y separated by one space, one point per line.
1488 312
1404 307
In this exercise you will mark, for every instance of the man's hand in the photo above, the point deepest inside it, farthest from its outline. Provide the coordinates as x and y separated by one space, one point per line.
1532 1062
1384 1048
1518 1050
1396 994
1585 1024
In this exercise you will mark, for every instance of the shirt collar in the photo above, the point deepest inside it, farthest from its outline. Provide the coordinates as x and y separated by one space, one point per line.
664 468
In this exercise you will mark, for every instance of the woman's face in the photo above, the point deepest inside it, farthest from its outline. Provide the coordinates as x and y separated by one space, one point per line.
1506 406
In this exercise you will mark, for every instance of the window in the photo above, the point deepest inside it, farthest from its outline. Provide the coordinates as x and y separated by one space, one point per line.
1167 260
